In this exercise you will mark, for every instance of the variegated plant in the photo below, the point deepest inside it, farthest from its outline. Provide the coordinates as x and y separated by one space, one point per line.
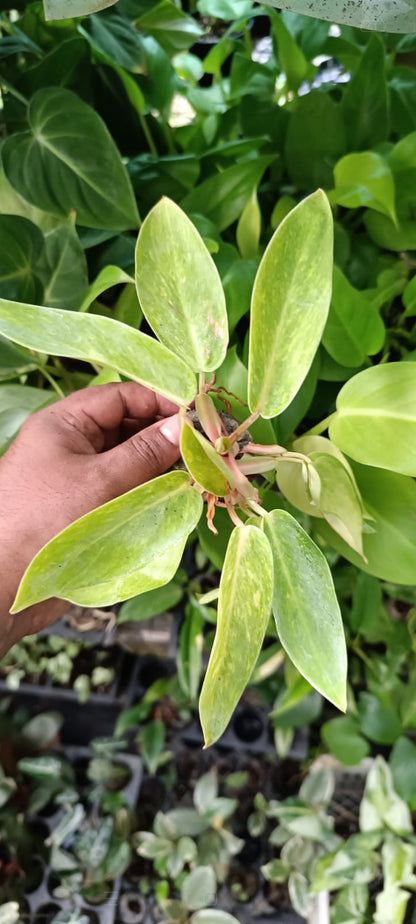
135 543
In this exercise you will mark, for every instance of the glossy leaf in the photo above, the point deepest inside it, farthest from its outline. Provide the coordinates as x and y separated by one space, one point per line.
375 422
243 614
49 167
390 546
354 329
21 247
129 545
63 268
290 304
305 607
179 288
364 179
99 340
222 197
205 465
170 26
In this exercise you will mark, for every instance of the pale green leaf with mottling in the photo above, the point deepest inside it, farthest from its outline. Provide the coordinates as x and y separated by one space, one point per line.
179 288
99 340
129 545
305 607
243 614
290 305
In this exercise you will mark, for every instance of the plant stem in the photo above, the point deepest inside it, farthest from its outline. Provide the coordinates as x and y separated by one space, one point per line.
201 383
52 382
256 507
244 426
147 134
323 425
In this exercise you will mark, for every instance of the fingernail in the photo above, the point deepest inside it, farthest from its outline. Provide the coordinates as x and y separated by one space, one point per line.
171 429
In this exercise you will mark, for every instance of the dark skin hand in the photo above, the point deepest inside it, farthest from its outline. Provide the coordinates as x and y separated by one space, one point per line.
68 459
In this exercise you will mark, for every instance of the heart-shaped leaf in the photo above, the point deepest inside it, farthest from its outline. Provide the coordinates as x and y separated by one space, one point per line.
130 545
49 167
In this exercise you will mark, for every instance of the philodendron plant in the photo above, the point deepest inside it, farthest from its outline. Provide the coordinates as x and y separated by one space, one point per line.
135 542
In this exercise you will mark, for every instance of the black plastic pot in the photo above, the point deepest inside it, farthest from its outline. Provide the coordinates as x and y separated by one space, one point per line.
82 721
249 731
41 903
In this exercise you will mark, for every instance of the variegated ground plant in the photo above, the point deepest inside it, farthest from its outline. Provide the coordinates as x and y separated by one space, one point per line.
135 543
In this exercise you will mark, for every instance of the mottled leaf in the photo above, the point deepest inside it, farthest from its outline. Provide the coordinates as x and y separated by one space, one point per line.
243 614
129 545
99 340
305 607
179 288
290 305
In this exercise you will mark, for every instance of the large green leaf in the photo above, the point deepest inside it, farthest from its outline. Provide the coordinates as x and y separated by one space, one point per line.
290 303
71 163
305 607
243 614
125 547
21 246
375 421
179 288
390 546
354 329
99 340
63 268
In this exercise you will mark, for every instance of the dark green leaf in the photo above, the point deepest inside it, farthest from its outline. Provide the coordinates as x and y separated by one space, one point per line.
49 167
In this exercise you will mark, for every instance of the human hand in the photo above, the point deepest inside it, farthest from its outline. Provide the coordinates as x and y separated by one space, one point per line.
67 459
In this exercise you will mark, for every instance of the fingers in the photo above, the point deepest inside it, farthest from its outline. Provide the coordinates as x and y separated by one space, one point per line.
99 410
144 456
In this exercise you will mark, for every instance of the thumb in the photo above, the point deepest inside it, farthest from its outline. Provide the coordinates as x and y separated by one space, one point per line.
142 457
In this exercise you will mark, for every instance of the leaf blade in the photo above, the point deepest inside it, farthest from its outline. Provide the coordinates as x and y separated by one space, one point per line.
179 288
246 586
305 607
280 353
97 339
375 420
109 554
